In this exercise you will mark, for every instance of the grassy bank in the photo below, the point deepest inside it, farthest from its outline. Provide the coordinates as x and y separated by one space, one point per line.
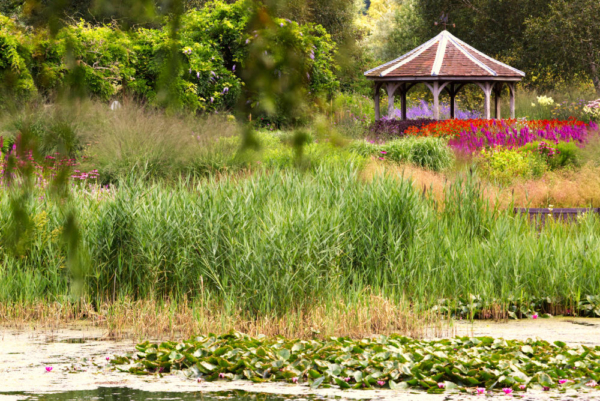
283 241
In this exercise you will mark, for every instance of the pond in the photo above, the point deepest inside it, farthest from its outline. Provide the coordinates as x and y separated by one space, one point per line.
128 394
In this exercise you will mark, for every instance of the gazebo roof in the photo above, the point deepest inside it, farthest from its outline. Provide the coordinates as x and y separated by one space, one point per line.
444 56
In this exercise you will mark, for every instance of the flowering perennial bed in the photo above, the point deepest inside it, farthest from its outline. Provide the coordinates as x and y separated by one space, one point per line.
473 135
479 364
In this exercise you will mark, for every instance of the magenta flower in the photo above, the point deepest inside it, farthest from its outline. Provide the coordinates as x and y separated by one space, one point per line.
381 158
562 381
294 380
441 385
383 152
381 383
221 375
108 358
522 387
535 316
48 368
507 390
480 390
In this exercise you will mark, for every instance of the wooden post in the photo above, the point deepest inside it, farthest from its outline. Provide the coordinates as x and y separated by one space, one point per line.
403 101
377 114
452 103
391 90
511 87
487 90
497 96
436 89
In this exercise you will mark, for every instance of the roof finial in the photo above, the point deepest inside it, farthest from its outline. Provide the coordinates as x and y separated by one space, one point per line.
444 21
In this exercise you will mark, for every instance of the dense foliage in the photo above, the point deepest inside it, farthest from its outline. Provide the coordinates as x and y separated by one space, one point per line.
391 127
479 364
106 62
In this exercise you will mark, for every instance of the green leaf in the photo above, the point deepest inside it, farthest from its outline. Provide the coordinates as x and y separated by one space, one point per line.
317 382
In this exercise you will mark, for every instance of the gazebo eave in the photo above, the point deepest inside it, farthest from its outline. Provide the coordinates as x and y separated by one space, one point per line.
438 78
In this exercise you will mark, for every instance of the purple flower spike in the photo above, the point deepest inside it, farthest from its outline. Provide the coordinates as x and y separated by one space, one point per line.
233 68
225 90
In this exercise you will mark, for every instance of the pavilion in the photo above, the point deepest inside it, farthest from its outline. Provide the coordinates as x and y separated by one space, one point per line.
445 63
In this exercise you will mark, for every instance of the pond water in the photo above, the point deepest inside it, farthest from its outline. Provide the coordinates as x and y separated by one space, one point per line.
128 394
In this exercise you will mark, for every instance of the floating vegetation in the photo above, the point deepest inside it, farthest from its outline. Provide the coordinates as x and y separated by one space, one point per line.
462 364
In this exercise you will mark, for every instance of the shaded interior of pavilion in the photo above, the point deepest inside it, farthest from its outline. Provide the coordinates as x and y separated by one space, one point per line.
494 92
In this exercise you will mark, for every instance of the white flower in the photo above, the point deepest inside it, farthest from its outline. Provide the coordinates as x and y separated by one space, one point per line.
545 101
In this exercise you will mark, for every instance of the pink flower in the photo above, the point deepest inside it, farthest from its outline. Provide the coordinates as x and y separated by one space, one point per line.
522 386
294 380
381 383
562 381
535 316
221 375
48 368
108 358
480 390
381 158
591 383
347 379
383 152
441 385
507 390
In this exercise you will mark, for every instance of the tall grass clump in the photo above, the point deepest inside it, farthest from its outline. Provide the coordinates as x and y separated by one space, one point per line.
430 153
284 240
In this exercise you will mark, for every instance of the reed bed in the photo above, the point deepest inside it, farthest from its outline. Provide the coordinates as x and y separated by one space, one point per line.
283 242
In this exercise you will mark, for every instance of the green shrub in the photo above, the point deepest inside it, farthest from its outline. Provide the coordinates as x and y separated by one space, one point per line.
430 153
16 80
556 156
211 49
504 165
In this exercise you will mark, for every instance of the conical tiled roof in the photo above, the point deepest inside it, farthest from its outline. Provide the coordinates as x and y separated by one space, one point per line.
445 56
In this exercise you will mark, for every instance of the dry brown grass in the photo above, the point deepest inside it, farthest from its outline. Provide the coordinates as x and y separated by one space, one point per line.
170 320
568 188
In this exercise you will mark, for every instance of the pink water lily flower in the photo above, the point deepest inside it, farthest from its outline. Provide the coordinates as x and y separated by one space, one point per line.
441 385
562 381
480 390
522 386
221 375
48 368
507 390
381 383
535 316
591 383
294 380
347 379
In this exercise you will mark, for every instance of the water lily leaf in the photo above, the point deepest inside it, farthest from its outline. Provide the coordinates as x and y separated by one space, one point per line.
544 379
527 349
284 354
342 383
314 374
317 382
208 366
297 347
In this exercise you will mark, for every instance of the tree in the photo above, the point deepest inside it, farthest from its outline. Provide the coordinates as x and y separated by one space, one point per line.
567 38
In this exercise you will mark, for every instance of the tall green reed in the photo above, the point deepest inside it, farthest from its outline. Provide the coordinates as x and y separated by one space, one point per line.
284 240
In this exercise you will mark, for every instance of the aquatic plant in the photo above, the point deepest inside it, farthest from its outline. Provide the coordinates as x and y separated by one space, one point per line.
394 362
